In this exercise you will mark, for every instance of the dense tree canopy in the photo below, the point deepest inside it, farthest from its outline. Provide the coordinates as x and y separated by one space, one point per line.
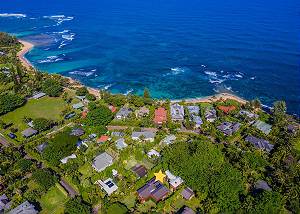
82 91
44 178
52 87
59 147
203 167
9 102
99 117
42 124
76 205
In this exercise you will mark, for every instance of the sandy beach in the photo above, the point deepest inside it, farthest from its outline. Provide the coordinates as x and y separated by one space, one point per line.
213 98
27 46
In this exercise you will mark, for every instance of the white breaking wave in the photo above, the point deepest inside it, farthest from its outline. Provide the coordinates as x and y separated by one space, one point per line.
16 15
69 37
82 73
50 59
107 86
59 19
211 73
128 92
176 71
216 81
252 78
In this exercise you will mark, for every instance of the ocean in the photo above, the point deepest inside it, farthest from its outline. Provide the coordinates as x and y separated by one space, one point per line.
177 49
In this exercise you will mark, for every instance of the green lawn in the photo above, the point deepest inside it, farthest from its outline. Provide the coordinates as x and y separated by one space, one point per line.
86 170
46 107
53 201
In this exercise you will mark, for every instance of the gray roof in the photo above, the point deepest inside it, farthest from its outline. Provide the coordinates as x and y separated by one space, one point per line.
120 144
193 109
24 208
145 134
123 113
77 132
260 143
262 126
42 147
4 203
197 119
177 112
261 184
29 132
210 114
248 114
187 193
229 128
78 105
38 95
169 139
118 134
102 161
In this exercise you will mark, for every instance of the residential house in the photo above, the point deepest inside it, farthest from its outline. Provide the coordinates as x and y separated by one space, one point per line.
193 110
186 210
210 114
108 186
262 126
24 208
113 109
139 170
143 135
177 112
123 113
174 181
120 143
187 193
160 116
169 139
248 114
102 161
78 106
77 132
70 115
38 95
229 128
227 109
29 132
70 190
117 134
142 112
103 139
154 190
152 153
4 203
81 98
42 147
260 143
262 185
194 115
66 159
197 120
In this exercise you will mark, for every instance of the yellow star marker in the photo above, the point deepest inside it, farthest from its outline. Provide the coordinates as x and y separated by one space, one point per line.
159 176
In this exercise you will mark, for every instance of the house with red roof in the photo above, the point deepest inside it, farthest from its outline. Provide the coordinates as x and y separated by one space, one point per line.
160 116
227 109
103 139
112 108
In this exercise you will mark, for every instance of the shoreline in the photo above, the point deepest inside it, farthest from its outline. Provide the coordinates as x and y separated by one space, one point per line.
27 46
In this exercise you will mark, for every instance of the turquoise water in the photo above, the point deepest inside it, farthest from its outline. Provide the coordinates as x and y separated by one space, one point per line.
178 49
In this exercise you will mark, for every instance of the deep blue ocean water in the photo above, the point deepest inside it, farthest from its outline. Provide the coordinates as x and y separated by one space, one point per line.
178 49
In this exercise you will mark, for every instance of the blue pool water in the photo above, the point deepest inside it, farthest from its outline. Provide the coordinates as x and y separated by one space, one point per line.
178 49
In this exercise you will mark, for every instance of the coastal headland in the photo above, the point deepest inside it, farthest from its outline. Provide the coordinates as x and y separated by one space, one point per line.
27 46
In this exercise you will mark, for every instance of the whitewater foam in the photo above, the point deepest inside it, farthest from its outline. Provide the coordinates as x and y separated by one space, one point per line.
16 15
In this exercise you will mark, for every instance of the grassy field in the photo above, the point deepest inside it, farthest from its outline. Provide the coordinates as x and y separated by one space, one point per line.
46 107
53 202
